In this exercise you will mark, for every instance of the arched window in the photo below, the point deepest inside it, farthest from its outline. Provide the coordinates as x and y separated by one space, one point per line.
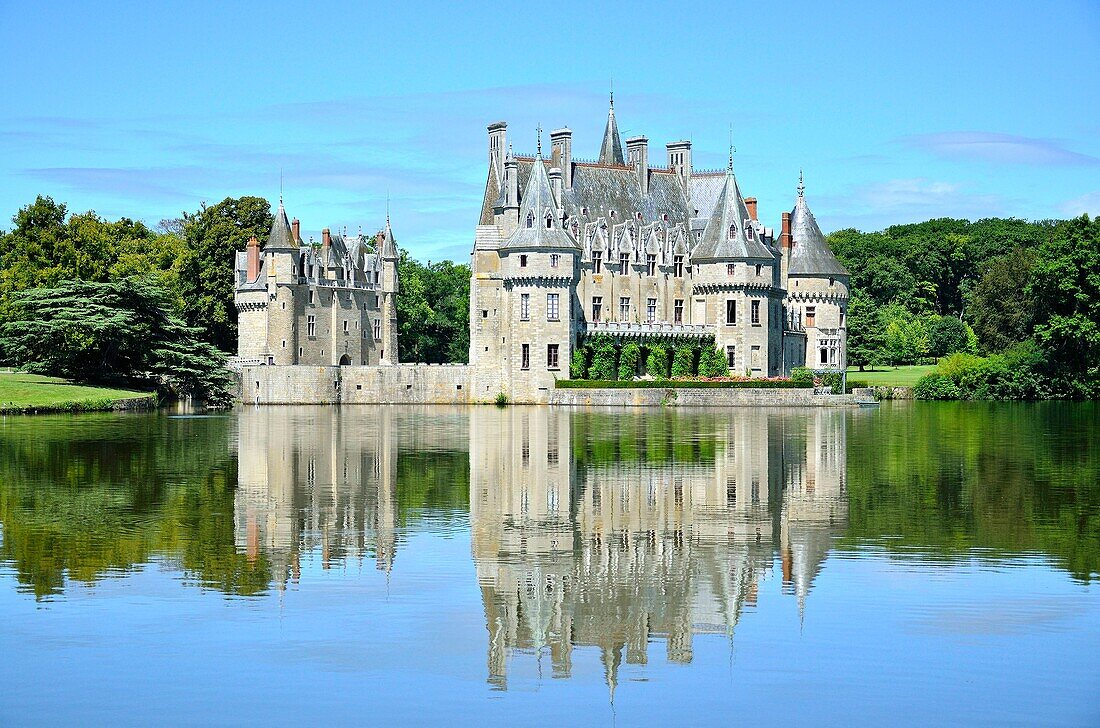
530 219
749 232
549 220
733 232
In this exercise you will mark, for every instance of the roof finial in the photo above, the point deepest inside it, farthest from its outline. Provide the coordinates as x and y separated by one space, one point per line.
538 130
732 148
280 186
613 91
801 185
387 207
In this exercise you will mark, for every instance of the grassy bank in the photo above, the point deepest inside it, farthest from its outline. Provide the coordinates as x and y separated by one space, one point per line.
905 376
34 393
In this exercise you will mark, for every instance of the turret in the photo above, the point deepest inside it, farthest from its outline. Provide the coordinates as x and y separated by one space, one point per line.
611 149
391 285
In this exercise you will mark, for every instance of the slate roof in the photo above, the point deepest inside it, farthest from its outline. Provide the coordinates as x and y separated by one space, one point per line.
810 254
281 235
611 150
730 213
538 203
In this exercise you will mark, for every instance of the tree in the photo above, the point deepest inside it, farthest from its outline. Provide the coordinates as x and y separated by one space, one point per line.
1065 288
603 359
683 361
866 337
628 360
656 364
213 235
947 335
578 364
999 305
906 335
433 311
124 330
712 362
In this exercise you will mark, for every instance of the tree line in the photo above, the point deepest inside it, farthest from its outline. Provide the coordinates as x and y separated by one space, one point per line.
1020 300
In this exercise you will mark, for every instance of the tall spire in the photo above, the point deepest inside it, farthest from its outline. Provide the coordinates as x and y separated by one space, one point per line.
611 150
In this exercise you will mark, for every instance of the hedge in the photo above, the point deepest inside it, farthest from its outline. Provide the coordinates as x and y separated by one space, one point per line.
679 384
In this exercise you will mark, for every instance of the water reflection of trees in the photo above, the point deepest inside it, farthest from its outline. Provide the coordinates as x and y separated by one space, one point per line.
943 479
649 525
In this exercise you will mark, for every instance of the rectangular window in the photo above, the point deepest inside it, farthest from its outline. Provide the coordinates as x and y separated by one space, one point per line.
311 325
525 356
551 356
678 266
523 261
624 308
551 306
678 311
313 296
731 269
811 315
624 263
346 328
554 258
756 313
842 318
758 268
651 264
651 310
377 329
731 312
731 357
525 307
597 264
824 355
597 307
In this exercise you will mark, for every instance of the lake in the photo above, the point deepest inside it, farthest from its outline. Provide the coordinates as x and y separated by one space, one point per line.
922 563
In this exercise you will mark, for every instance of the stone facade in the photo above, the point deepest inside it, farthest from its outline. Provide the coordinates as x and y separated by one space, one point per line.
568 248
333 304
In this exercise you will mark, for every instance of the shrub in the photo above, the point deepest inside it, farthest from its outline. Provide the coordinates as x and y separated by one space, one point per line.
501 400
834 380
683 362
680 384
603 359
578 364
936 386
656 364
712 363
628 360
802 376
955 365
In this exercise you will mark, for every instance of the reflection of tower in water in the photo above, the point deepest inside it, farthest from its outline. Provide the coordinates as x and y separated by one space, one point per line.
610 530
308 483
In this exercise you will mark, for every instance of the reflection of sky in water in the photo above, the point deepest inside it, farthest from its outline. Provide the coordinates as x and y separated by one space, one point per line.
421 592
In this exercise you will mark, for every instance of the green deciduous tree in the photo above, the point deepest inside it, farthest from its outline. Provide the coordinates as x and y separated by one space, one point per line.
213 236
656 363
433 310
683 361
628 360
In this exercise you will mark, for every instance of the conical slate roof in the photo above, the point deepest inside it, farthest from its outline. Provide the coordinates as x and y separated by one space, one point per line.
611 151
724 237
281 235
389 247
538 205
810 254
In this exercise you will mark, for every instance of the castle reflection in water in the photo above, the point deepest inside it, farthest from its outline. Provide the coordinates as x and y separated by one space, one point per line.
613 530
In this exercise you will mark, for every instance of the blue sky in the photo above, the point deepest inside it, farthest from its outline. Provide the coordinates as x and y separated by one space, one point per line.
897 112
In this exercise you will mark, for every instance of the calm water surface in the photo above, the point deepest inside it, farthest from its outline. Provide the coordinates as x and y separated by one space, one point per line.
919 564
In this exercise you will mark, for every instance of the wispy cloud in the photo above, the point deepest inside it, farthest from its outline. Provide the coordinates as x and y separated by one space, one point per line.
998 148
880 204
1087 203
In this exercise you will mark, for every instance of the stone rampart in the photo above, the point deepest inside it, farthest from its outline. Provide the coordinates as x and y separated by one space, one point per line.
398 384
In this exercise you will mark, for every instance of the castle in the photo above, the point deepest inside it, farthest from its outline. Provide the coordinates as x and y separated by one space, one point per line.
567 248
329 306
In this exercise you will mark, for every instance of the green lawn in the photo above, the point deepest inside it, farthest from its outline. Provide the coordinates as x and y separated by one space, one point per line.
891 376
32 392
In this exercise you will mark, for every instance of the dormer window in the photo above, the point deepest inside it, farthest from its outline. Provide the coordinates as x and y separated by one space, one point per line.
549 221
611 214
749 232
733 232
584 210
665 217
530 219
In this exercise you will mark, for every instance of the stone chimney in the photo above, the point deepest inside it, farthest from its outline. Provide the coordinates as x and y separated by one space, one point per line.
555 176
296 230
253 259
497 139
637 156
326 242
750 202
561 142
679 159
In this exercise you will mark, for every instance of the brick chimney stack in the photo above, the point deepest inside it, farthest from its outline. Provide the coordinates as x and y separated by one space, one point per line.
785 232
750 202
253 259
296 229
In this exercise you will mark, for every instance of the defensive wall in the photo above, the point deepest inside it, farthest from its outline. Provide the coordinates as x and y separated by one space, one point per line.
450 384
